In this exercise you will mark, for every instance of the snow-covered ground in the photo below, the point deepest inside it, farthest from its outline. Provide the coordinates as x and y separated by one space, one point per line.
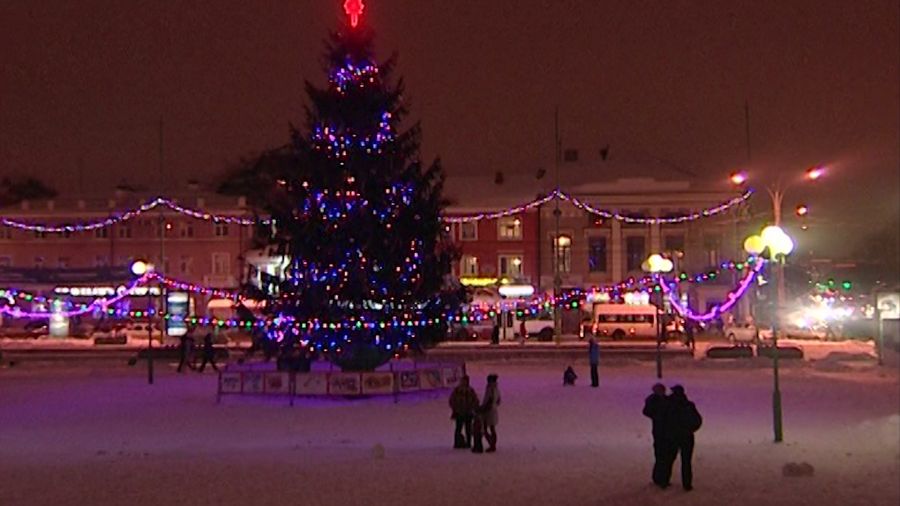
102 436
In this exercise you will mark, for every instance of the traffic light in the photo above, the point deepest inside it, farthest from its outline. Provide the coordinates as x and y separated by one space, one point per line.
847 285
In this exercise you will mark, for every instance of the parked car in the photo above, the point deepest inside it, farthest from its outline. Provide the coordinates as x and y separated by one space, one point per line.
746 334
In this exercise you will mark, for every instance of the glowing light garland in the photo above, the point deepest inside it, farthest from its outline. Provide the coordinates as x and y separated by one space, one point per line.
373 144
717 310
97 304
128 215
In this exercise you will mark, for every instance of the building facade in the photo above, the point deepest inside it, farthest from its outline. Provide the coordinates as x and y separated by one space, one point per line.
179 246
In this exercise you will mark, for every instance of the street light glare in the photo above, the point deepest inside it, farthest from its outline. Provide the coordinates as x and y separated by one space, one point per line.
738 178
814 173
802 210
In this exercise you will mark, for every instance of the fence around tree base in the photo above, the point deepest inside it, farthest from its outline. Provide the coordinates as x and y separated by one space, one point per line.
394 381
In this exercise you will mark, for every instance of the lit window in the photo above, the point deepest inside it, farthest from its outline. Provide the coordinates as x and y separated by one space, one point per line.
510 266
468 265
510 228
564 253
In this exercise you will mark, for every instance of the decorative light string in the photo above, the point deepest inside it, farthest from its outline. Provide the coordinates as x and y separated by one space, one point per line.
121 217
717 310
97 304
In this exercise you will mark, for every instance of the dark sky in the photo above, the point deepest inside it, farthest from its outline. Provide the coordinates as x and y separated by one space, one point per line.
89 79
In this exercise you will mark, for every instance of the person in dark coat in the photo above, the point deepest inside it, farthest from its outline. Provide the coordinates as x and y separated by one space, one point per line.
656 407
185 349
463 404
495 334
209 353
594 359
490 407
569 377
685 420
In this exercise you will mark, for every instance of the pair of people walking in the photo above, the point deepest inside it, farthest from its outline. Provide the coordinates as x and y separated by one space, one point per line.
675 420
475 420
186 351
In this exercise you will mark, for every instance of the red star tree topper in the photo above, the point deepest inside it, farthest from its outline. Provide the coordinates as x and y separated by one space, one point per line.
354 9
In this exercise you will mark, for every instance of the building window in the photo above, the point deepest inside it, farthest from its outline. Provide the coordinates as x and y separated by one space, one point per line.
124 231
40 235
64 262
220 264
564 253
5 233
185 230
101 233
674 244
220 229
101 261
510 228
510 266
468 231
635 252
711 245
5 261
38 262
468 265
66 234
597 254
184 264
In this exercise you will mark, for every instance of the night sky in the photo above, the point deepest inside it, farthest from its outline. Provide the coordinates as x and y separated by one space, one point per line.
85 82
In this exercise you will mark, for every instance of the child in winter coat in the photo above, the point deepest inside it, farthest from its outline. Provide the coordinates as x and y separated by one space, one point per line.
478 431
569 377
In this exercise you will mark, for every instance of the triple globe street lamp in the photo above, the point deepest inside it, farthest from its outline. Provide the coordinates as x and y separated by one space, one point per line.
657 265
142 268
775 243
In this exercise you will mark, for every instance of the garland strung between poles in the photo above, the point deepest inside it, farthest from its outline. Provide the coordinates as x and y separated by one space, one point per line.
149 205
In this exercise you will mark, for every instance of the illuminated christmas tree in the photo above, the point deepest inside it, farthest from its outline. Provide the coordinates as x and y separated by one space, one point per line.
358 219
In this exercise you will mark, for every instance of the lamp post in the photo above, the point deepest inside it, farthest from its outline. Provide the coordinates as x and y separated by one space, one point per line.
778 244
141 268
656 265
776 192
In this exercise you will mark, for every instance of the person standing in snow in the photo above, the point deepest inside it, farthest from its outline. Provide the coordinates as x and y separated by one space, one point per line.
463 403
489 405
185 349
656 408
594 358
209 353
685 421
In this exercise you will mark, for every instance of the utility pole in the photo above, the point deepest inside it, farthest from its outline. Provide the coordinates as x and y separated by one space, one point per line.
557 280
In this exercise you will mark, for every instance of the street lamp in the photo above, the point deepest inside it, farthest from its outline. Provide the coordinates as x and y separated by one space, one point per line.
656 264
778 244
142 268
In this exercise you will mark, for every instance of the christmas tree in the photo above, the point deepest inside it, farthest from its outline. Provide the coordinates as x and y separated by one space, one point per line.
358 219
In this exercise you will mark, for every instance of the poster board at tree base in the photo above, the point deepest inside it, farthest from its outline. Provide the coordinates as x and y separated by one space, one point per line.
344 383
230 382
377 383
253 383
311 384
430 379
409 381
277 383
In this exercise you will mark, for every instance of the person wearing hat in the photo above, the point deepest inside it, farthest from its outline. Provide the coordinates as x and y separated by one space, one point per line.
685 421
489 407
657 409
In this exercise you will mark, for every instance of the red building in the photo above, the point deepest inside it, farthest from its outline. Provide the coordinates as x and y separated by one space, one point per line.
497 250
